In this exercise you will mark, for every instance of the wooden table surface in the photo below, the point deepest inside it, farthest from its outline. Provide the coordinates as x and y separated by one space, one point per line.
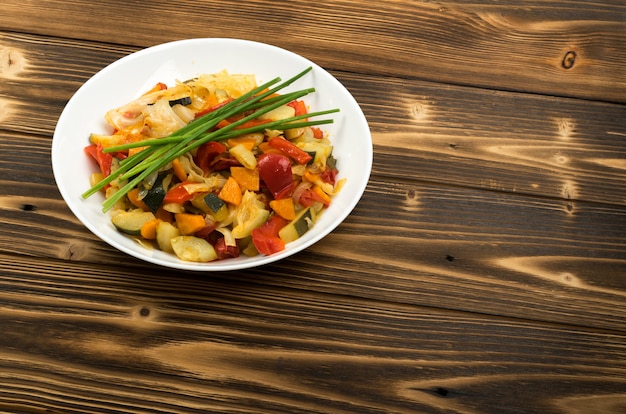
483 271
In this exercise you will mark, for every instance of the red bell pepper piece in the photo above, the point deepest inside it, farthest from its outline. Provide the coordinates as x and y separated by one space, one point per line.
317 133
160 86
289 148
177 194
265 238
275 171
223 251
248 124
329 175
310 197
253 123
205 233
224 163
207 152
299 106
103 159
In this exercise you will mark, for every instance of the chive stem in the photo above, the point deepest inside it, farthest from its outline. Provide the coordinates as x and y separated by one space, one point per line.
159 152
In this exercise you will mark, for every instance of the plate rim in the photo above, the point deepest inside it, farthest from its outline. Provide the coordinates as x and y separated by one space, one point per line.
227 264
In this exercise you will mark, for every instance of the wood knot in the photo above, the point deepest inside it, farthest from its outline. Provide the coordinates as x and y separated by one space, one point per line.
569 190
566 128
560 158
12 62
419 111
143 313
570 279
568 60
411 201
75 250
442 391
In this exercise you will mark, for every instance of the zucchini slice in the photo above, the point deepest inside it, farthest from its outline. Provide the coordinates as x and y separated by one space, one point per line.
193 249
155 195
186 100
130 222
298 226
211 203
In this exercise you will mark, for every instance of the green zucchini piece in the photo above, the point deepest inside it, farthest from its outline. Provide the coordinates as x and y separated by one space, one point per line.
331 162
298 226
312 154
130 222
154 197
212 204
193 249
181 101
217 207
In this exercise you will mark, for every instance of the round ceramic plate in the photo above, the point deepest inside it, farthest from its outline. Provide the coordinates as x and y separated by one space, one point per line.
127 78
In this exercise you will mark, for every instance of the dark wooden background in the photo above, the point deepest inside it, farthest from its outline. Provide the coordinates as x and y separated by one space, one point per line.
484 270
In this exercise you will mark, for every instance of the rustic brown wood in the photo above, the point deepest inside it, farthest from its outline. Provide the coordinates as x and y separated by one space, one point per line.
434 238
567 49
569 149
499 252
483 270
228 344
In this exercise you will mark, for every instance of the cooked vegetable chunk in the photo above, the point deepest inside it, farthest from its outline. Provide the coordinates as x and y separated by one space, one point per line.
215 166
130 222
193 249
298 226
165 232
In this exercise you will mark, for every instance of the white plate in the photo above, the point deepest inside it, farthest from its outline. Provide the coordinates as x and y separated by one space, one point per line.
129 77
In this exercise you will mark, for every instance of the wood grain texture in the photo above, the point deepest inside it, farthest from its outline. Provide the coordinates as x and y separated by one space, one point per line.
136 341
566 149
483 271
565 49
522 204
409 241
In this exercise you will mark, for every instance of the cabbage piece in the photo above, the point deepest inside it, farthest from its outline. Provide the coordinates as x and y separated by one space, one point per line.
161 120
250 214
234 85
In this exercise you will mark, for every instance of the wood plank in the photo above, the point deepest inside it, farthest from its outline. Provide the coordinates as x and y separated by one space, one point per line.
494 253
572 48
83 339
444 140
521 143
32 96
541 146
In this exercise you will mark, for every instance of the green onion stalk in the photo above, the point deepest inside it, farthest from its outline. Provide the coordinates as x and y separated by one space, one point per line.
160 152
